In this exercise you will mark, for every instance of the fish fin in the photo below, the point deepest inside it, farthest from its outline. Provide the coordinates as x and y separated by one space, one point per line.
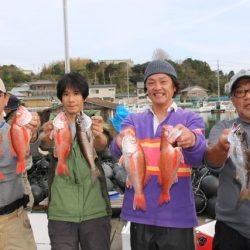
139 202
160 178
20 167
146 178
62 169
121 160
164 197
2 176
128 183
51 135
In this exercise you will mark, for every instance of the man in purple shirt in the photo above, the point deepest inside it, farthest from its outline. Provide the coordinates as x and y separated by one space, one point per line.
168 225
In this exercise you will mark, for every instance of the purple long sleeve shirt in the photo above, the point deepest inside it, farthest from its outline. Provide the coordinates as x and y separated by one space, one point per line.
180 211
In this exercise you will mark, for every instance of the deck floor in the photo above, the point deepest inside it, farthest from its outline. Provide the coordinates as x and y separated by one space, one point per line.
116 237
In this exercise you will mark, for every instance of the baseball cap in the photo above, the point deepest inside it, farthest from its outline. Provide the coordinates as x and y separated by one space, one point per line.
2 86
236 77
13 102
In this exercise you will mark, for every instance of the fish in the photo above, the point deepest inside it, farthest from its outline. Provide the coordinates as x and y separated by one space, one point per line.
20 137
240 156
63 140
2 176
85 146
133 159
169 162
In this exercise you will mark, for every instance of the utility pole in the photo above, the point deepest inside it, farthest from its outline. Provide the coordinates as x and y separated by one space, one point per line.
218 79
66 42
127 83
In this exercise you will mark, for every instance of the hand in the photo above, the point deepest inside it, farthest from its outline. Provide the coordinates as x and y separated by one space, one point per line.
100 139
223 139
119 137
33 126
187 137
46 137
97 125
47 129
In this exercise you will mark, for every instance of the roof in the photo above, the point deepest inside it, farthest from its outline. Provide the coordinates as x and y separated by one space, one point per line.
102 86
192 88
102 103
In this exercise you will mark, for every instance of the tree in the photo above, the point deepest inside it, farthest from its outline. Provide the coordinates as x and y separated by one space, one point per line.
160 54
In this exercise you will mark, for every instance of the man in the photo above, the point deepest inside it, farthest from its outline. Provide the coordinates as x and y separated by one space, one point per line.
79 209
169 225
15 229
11 107
232 230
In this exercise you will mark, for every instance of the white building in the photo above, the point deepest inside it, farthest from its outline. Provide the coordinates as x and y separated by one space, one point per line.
103 91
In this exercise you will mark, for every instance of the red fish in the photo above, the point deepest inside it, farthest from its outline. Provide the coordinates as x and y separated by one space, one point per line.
170 159
135 165
20 137
63 139
2 176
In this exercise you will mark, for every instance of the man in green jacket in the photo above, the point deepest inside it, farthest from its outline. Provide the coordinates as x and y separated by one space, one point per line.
79 209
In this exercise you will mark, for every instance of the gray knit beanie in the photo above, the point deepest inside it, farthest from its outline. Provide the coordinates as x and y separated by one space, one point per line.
159 66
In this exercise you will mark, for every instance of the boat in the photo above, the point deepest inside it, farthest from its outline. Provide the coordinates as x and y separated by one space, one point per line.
218 108
223 106
201 106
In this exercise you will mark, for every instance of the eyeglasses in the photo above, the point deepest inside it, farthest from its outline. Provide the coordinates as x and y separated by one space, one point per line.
241 92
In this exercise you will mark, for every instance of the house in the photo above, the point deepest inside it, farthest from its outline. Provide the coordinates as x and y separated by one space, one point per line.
129 62
194 92
103 91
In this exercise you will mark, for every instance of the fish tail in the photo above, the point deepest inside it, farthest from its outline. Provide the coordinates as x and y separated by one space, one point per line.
2 176
139 202
20 167
164 197
62 169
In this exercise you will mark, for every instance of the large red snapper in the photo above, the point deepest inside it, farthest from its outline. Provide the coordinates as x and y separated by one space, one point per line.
169 162
20 137
240 156
135 165
63 140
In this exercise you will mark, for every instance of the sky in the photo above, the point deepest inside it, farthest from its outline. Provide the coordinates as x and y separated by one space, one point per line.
214 31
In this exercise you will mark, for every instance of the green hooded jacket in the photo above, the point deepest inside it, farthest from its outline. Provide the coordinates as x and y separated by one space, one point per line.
75 198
